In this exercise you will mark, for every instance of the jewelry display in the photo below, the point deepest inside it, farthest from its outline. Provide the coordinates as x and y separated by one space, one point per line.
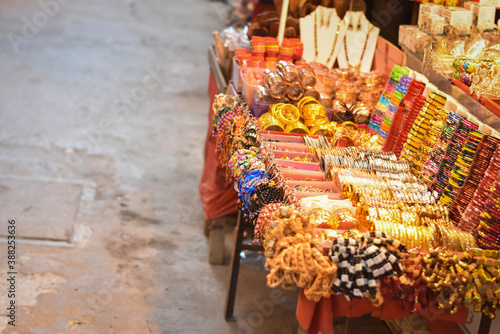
439 197
358 44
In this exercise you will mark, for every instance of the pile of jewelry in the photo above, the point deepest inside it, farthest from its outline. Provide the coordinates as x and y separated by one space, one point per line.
363 261
424 226
481 75
294 257
306 245
310 117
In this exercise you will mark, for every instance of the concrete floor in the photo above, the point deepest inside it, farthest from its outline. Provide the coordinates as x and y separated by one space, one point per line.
115 93
111 97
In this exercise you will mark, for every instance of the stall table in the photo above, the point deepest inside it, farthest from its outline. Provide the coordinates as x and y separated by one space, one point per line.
219 200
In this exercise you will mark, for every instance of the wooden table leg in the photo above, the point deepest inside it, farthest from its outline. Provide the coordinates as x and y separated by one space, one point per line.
216 244
301 330
235 268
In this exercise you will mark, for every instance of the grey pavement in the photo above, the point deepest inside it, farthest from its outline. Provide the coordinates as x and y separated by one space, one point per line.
103 115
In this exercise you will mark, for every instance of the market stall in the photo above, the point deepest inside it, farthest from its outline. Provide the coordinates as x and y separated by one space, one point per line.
374 192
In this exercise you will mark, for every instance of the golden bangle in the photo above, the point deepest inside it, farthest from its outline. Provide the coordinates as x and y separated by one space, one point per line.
312 111
349 125
297 127
305 100
348 139
321 130
273 126
315 116
267 121
315 122
274 109
266 116
288 114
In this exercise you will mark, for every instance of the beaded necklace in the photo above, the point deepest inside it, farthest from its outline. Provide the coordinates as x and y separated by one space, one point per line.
315 36
334 42
358 66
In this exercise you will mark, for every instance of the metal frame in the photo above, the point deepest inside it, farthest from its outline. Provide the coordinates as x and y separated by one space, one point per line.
220 80
238 246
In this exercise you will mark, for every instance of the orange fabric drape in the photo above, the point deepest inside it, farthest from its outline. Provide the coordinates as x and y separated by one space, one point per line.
317 318
218 197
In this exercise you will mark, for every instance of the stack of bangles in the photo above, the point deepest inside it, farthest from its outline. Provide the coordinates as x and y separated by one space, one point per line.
314 115
303 159
473 71
341 218
488 234
361 113
268 122
424 226
306 188
470 219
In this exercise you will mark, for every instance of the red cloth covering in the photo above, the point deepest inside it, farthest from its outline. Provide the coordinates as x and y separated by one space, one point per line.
317 318
218 197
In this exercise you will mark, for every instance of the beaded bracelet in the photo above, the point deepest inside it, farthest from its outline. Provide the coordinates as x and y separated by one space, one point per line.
362 263
244 160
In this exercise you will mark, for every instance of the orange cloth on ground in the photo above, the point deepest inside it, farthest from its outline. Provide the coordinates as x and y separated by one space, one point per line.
218 197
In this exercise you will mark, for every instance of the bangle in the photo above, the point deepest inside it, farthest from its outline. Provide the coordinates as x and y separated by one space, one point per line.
271 123
287 114
315 122
312 111
321 130
297 127
349 141
305 100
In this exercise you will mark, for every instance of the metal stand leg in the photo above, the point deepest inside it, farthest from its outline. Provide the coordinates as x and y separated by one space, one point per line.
235 268
484 325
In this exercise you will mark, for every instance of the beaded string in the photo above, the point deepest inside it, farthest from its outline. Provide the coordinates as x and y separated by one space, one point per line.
217 116
245 159
222 125
247 187
357 66
361 264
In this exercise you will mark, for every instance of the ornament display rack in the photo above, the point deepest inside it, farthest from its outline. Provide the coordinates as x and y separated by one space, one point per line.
485 110
491 104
